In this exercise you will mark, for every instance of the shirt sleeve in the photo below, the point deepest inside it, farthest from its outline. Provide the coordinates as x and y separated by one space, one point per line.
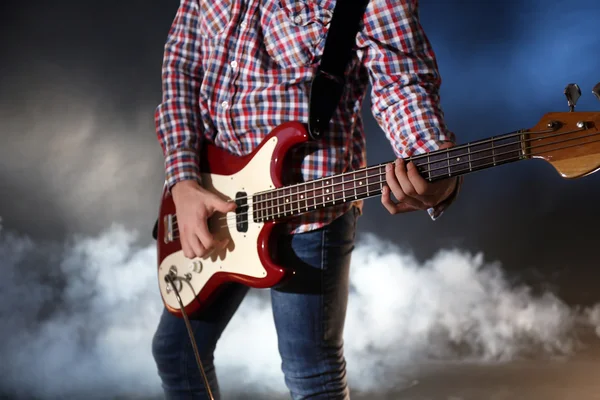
405 81
177 116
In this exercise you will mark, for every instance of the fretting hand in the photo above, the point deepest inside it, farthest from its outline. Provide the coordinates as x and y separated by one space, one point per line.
411 190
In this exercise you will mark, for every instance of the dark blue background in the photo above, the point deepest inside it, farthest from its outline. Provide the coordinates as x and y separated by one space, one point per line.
504 64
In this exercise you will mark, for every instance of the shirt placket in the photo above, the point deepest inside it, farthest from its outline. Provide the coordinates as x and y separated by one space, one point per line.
230 76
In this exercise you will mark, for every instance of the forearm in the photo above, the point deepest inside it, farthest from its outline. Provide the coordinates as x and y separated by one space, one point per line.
405 81
177 117
404 76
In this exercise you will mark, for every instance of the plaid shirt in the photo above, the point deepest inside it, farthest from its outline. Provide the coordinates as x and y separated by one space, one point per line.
235 69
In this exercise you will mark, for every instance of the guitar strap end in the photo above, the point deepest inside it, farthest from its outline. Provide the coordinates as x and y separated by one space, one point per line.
326 90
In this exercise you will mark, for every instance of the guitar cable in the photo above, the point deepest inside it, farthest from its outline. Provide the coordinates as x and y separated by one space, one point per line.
170 280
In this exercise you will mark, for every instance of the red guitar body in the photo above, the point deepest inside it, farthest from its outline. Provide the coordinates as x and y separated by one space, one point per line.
248 259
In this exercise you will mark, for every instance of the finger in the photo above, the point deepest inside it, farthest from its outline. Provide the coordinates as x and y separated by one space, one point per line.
224 206
392 207
393 184
198 249
395 187
402 176
420 186
206 238
188 252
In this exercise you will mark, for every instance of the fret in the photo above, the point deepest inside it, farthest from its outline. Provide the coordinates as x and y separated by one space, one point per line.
381 177
314 195
285 200
457 160
293 199
509 149
340 190
373 180
344 176
437 166
332 190
271 207
278 202
354 180
360 180
481 156
493 155
302 196
429 166
296 199
349 187
262 214
469 152
448 162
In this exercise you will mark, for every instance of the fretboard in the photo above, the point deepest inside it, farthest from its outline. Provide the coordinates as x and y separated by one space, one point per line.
368 182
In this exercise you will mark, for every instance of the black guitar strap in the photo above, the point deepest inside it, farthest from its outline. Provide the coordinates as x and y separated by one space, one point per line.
329 81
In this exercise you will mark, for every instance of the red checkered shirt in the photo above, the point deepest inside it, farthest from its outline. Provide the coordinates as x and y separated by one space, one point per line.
235 69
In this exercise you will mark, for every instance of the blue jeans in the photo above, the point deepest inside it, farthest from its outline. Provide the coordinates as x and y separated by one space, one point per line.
309 313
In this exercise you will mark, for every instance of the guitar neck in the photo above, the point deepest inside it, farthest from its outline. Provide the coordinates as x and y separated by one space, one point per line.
368 182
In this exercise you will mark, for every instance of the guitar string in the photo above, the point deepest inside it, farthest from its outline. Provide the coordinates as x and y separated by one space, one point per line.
282 195
315 205
281 192
413 158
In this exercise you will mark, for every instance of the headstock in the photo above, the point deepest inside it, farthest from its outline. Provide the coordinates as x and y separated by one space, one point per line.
570 141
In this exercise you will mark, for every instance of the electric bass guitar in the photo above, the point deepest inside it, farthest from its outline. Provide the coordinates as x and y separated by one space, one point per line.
569 141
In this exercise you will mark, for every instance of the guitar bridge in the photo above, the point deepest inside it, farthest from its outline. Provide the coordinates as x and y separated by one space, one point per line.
168 228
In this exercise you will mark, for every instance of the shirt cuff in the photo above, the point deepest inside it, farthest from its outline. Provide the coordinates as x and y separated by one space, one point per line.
437 211
182 165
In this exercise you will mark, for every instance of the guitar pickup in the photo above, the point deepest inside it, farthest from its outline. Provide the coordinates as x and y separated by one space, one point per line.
241 212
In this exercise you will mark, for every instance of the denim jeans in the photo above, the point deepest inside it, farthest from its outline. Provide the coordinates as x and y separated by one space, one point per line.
309 313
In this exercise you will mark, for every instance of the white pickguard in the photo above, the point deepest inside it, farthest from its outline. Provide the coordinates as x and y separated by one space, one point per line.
241 256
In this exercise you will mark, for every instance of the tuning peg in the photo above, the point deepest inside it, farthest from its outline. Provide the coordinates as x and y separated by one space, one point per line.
596 90
573 93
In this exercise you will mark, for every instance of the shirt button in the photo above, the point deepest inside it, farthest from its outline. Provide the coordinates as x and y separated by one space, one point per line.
224 104
233 64
243 24
298 19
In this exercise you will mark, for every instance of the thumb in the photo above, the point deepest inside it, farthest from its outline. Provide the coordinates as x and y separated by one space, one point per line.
224 206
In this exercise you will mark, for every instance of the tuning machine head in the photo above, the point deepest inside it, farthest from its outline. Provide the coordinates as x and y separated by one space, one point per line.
572 93
596 90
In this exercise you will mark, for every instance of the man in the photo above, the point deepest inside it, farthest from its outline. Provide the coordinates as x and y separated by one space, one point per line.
235 69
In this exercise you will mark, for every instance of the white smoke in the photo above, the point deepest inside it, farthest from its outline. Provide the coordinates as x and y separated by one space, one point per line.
84 325
85 160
